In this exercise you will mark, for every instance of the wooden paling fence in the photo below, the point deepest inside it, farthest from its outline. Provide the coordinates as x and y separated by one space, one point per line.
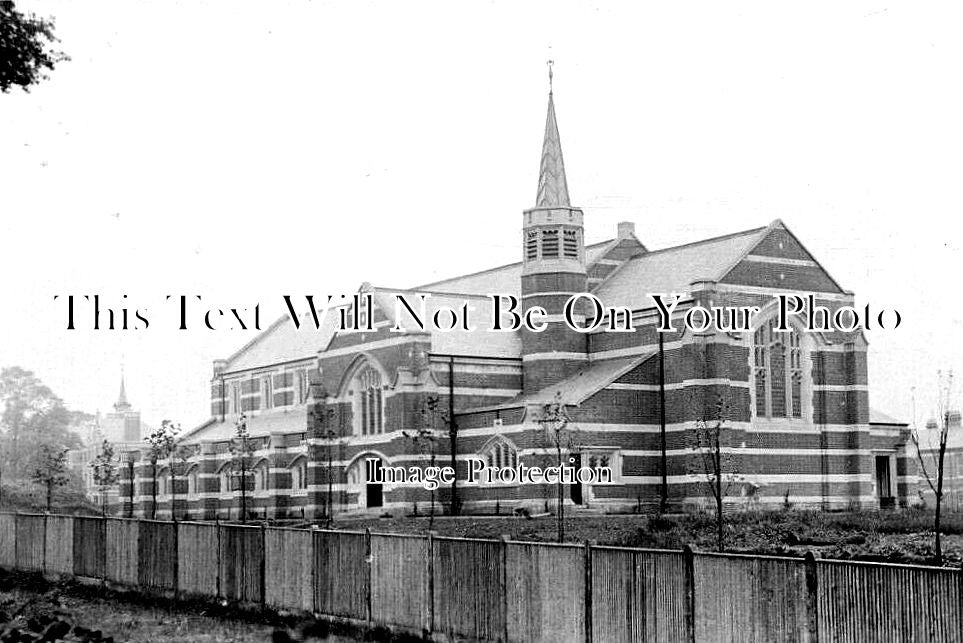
498 590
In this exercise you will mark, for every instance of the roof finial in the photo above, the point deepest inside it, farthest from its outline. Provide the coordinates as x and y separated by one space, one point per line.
550 63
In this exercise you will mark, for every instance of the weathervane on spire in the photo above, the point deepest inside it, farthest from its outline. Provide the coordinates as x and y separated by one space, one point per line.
550 63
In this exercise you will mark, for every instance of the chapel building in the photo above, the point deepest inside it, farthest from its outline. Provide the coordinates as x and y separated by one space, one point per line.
318 404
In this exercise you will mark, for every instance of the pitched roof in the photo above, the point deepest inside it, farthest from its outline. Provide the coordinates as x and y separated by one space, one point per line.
258 425
282 342
878 417
672 270
574 390
457 341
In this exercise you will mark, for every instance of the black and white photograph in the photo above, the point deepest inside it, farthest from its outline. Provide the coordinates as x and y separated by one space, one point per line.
505 322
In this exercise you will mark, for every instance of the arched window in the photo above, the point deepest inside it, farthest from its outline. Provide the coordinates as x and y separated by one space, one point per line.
299 474
501 454
261 478
224 478
163 481
192 482
369 402
777 368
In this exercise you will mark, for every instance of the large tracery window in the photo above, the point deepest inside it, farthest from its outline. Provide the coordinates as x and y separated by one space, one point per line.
777 372
370 401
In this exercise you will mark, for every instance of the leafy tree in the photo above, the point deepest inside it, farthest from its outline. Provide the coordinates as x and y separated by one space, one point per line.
933 473
50 470
32 416
25 51
242 449
162 442
105 472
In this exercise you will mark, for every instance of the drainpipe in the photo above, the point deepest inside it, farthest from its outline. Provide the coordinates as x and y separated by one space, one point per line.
664 491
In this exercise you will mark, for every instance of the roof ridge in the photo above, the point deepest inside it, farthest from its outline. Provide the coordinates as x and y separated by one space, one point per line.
486 270
701 241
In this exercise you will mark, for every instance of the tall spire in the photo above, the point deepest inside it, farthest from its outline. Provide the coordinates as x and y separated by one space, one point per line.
552 186
122 404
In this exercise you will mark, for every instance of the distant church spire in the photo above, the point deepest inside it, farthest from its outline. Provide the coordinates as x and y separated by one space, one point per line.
552 186
122 404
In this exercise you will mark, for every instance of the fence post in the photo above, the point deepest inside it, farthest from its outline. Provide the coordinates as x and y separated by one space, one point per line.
367 560
503 585
688 566
177 560
43 563
314 569
588 592
263 563
430 556
16 542
103 547
217 558
812 597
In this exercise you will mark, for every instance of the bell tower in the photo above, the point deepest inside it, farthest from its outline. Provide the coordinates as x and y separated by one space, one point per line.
553 267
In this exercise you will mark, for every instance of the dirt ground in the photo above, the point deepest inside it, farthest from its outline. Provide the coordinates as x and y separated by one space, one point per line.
897 536
33 610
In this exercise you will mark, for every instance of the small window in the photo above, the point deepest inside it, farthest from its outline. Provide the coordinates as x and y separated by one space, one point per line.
224 479
570 243
299 475
235 397
267 392
302 379
550 244
192 482
531 245
261 477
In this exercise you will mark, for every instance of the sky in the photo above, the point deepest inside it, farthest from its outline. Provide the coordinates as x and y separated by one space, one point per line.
241 153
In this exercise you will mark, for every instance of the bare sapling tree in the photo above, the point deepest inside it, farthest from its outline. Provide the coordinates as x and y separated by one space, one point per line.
332 439
427 438
556 426
162 443
50 470
715 465
242 449
447 419
934 447
105 472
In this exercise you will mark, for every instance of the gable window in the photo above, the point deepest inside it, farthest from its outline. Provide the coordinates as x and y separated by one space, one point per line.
369 401
267 392
501 454
777 367
302 380
235 397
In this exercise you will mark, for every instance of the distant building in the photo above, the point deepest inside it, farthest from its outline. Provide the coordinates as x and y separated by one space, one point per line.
322 403
929 439
123 428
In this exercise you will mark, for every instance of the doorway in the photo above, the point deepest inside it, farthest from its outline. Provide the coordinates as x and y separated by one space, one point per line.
575 489
884 482
374 491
